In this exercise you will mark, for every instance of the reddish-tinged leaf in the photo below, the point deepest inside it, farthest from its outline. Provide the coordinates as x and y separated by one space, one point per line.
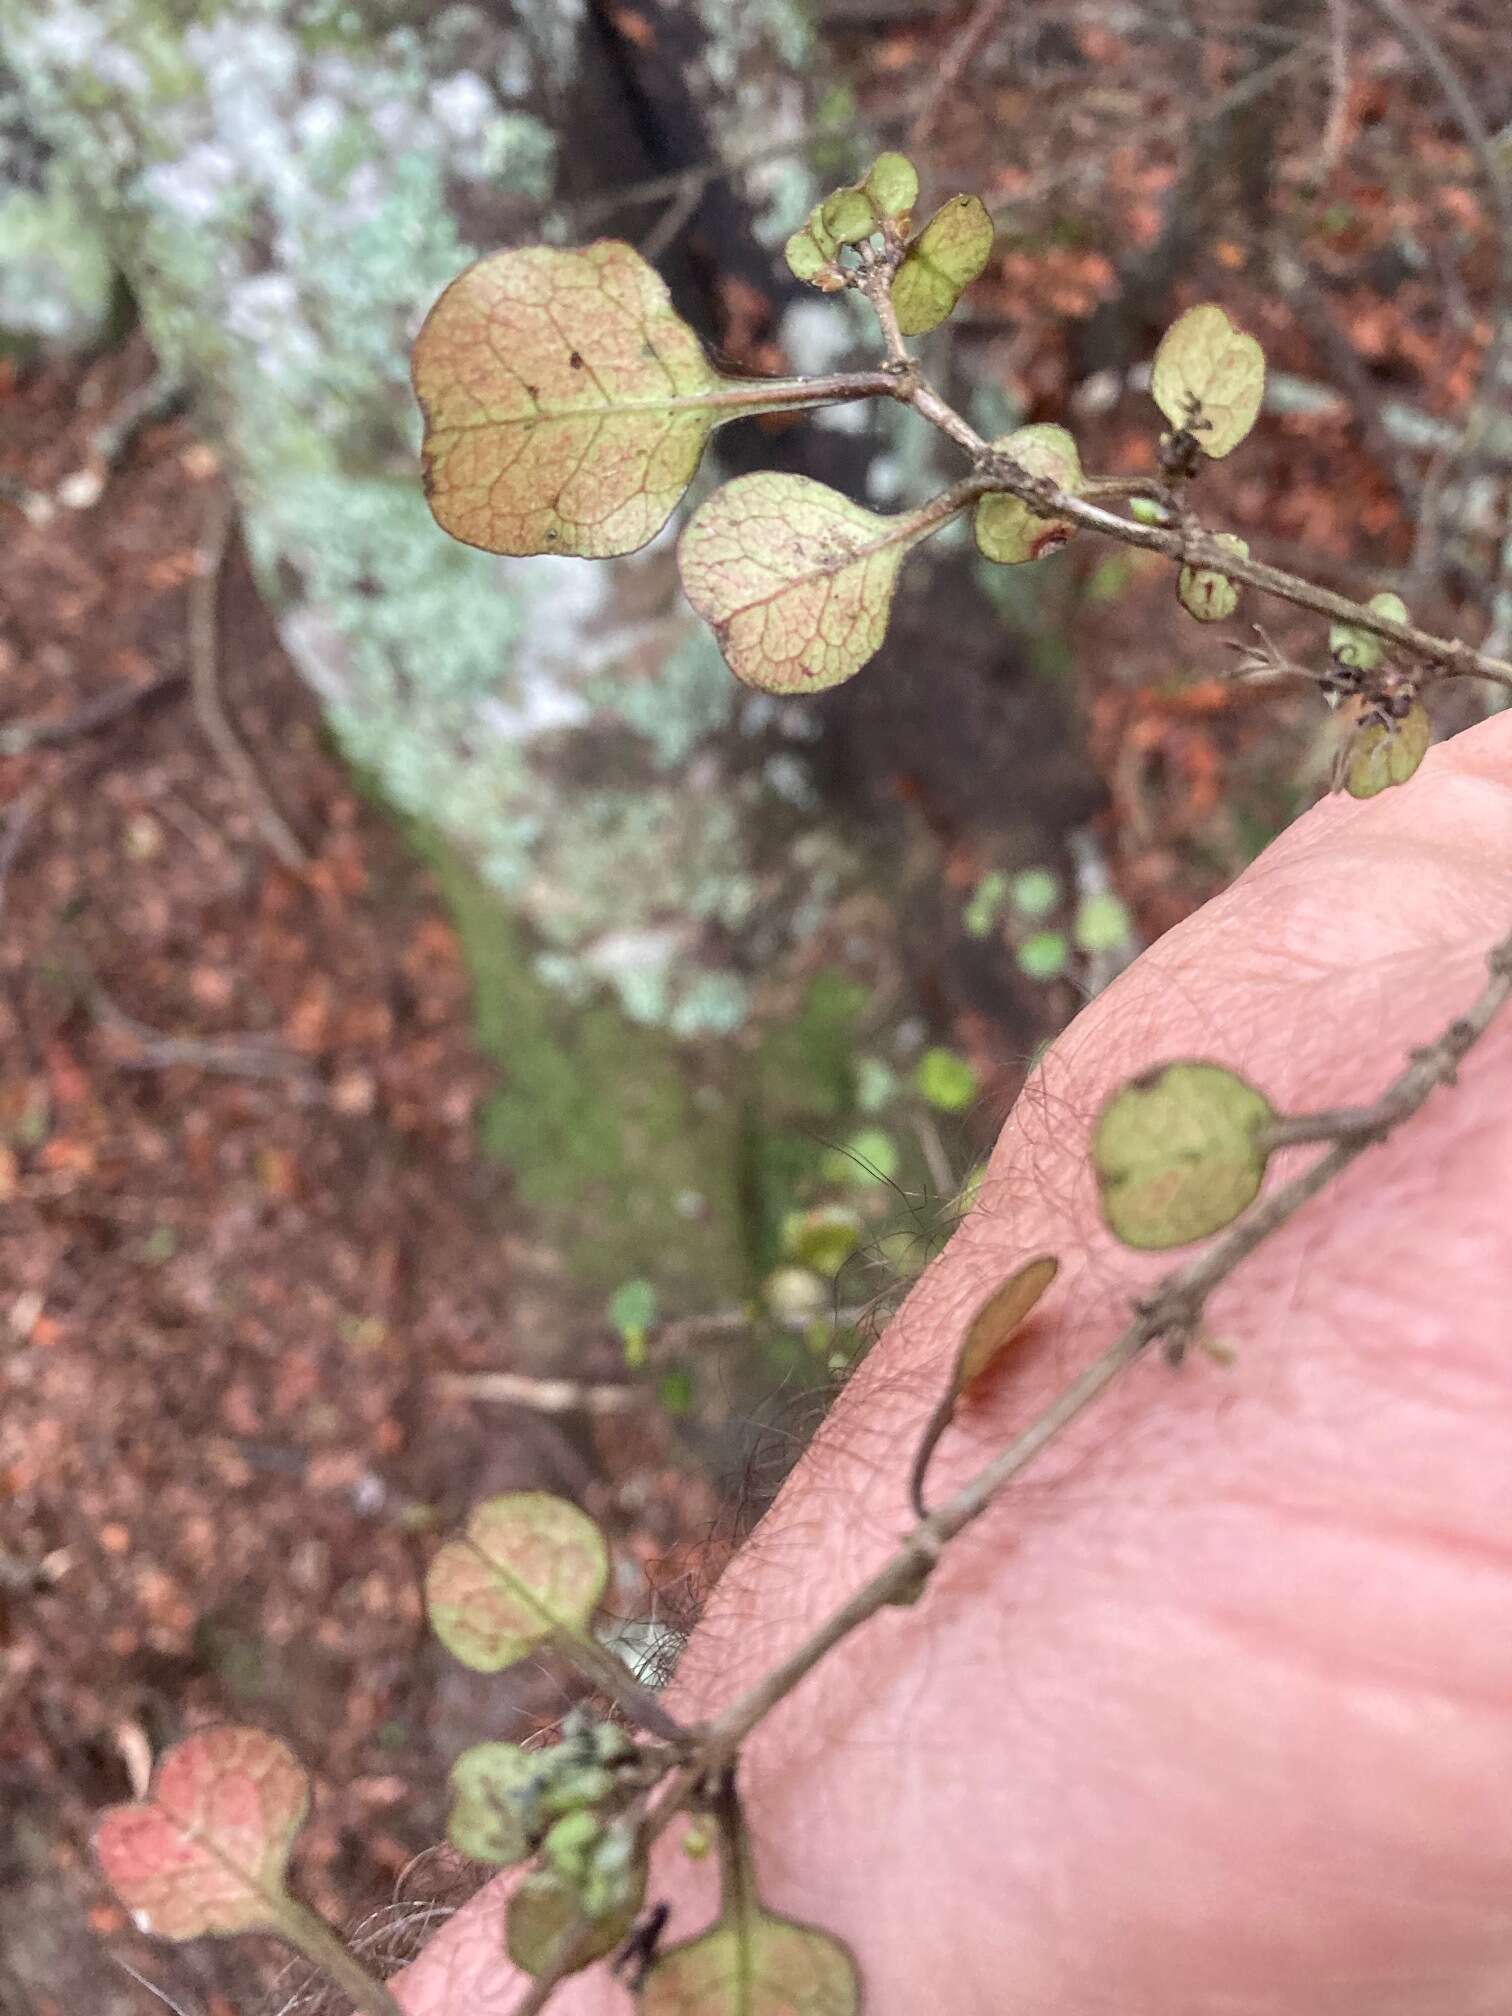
1000 1318
795 580
991 1330
528 1566
206 1850
566 403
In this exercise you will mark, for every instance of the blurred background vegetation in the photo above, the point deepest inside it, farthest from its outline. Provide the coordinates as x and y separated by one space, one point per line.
451 1036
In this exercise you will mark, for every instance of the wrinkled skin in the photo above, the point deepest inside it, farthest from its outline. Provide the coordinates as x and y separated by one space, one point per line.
1213 1711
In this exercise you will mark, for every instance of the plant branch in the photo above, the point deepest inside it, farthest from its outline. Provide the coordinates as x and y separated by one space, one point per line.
796 395
1172 1312
612 1677
1192 545
966 45
19 738
312 1937
651 1815
204 686
874 279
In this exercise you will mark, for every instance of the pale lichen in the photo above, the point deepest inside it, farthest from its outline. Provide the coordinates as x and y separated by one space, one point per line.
281 182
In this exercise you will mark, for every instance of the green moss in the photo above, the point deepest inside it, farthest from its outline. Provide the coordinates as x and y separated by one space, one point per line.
612 1136
803 1091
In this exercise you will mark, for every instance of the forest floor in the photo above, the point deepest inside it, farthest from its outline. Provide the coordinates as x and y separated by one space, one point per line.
245 1230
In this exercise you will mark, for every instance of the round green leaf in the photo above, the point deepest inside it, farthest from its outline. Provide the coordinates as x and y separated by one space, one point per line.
1209 378
892 182
543 1915
493 1800
1177 1154
566 403
1102 924
763 1966
849 215
795 1295
795 580
822 1239
1036 891
632 1308
870 1156
1205 593
207 1849
1006 529
1383 754
809 261
529 1565
941 263
947 1081
1361 649
985 904
1043 956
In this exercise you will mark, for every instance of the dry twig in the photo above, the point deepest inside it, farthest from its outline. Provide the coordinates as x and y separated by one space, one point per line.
204 674
967 44
19 738
543 1396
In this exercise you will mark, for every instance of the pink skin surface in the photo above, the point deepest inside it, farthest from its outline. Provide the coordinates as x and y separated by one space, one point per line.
1211 1714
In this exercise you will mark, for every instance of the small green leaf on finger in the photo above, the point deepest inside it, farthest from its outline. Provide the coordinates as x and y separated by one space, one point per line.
544 1919
1208 379
1383 754
999 1320
991 1330
754 1964
1179 1153
941 264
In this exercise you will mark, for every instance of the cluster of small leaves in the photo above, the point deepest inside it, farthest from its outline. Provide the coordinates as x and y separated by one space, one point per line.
879 204
567 406
1390 726
530 1569
566 409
